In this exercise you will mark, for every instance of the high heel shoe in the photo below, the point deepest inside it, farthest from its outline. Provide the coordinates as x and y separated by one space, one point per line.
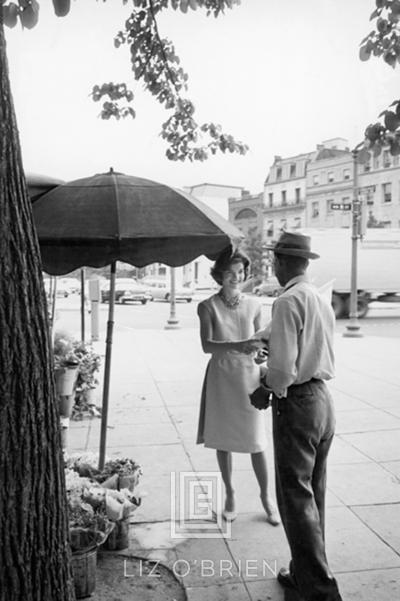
273 516
229 516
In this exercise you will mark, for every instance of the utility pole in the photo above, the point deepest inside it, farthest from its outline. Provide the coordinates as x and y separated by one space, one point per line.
353 326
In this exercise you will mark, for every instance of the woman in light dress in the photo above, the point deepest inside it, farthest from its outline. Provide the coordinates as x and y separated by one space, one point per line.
228 422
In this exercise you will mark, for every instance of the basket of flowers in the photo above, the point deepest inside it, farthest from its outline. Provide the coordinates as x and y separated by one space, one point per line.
117 474
119 482
89 527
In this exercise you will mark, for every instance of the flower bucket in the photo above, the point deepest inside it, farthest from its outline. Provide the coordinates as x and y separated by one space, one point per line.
64 438
84 572
90 395
65 380
119 537
128 481
66 404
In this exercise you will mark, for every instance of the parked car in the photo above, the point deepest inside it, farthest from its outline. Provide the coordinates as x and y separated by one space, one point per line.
270 287
161 290
64 286
126 290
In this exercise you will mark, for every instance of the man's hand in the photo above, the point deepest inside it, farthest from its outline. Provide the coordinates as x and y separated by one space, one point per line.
260 398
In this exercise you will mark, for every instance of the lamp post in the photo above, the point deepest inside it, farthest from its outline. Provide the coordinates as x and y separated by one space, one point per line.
353 327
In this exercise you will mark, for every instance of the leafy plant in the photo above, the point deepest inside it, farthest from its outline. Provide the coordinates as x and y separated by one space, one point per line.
64 351
89 365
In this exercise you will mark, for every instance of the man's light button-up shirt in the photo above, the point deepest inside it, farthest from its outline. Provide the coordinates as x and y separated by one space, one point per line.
301 338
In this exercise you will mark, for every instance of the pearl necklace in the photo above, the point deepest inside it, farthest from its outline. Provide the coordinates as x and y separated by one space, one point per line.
230 303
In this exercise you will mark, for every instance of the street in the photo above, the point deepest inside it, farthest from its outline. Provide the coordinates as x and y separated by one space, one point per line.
383 319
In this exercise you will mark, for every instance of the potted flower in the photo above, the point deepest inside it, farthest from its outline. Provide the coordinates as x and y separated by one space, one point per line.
66 364
89 365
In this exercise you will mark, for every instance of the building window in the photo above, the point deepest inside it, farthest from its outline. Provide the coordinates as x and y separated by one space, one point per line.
387 192
316 180
283 224
297 223
367 166
331 177
270 199
386 159
329 206
346 173
270 229
297 195
283 197
293 170
376 163
279 173
315 209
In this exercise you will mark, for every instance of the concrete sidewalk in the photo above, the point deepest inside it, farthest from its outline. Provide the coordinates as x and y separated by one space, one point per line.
154 400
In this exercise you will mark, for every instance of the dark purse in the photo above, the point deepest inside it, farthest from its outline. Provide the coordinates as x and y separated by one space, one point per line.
261 397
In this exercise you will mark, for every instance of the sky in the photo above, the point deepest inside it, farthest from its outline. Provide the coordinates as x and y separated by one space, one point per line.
279 75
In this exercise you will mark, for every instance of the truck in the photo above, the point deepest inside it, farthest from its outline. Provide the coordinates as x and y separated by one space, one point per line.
378 266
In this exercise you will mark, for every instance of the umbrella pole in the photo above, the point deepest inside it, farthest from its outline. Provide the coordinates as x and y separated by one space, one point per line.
53 308
83 304
107 368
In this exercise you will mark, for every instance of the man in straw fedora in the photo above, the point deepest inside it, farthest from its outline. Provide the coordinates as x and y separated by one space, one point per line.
300 360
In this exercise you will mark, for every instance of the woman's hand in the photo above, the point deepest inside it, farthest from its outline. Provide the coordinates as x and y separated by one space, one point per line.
249 346
261 356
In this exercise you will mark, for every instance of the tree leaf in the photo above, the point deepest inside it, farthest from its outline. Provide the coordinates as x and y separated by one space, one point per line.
363 156
61 7
10 15
391 121
364 53
395 148
29 16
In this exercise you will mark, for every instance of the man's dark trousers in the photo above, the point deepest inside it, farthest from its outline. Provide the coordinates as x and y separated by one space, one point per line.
303 429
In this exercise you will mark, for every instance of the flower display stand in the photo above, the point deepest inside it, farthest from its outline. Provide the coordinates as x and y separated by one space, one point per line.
84 572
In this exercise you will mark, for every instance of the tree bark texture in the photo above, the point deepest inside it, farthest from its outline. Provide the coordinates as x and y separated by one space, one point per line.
34 550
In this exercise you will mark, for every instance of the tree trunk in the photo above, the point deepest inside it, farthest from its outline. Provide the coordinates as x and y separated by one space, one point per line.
34 550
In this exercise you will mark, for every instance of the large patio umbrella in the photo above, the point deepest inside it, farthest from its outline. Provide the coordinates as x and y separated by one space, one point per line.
38 184
109 217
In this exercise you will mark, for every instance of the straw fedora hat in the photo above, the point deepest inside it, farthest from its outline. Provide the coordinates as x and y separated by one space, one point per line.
296 245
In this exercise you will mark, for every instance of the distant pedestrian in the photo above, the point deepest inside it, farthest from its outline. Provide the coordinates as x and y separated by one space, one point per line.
300 360
228 422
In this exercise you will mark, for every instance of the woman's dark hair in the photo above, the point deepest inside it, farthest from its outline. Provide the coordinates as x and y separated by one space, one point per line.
225 259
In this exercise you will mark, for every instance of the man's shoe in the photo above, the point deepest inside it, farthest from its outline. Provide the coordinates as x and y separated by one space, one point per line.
286 579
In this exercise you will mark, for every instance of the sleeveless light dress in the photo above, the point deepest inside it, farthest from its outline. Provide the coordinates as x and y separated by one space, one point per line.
227 420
